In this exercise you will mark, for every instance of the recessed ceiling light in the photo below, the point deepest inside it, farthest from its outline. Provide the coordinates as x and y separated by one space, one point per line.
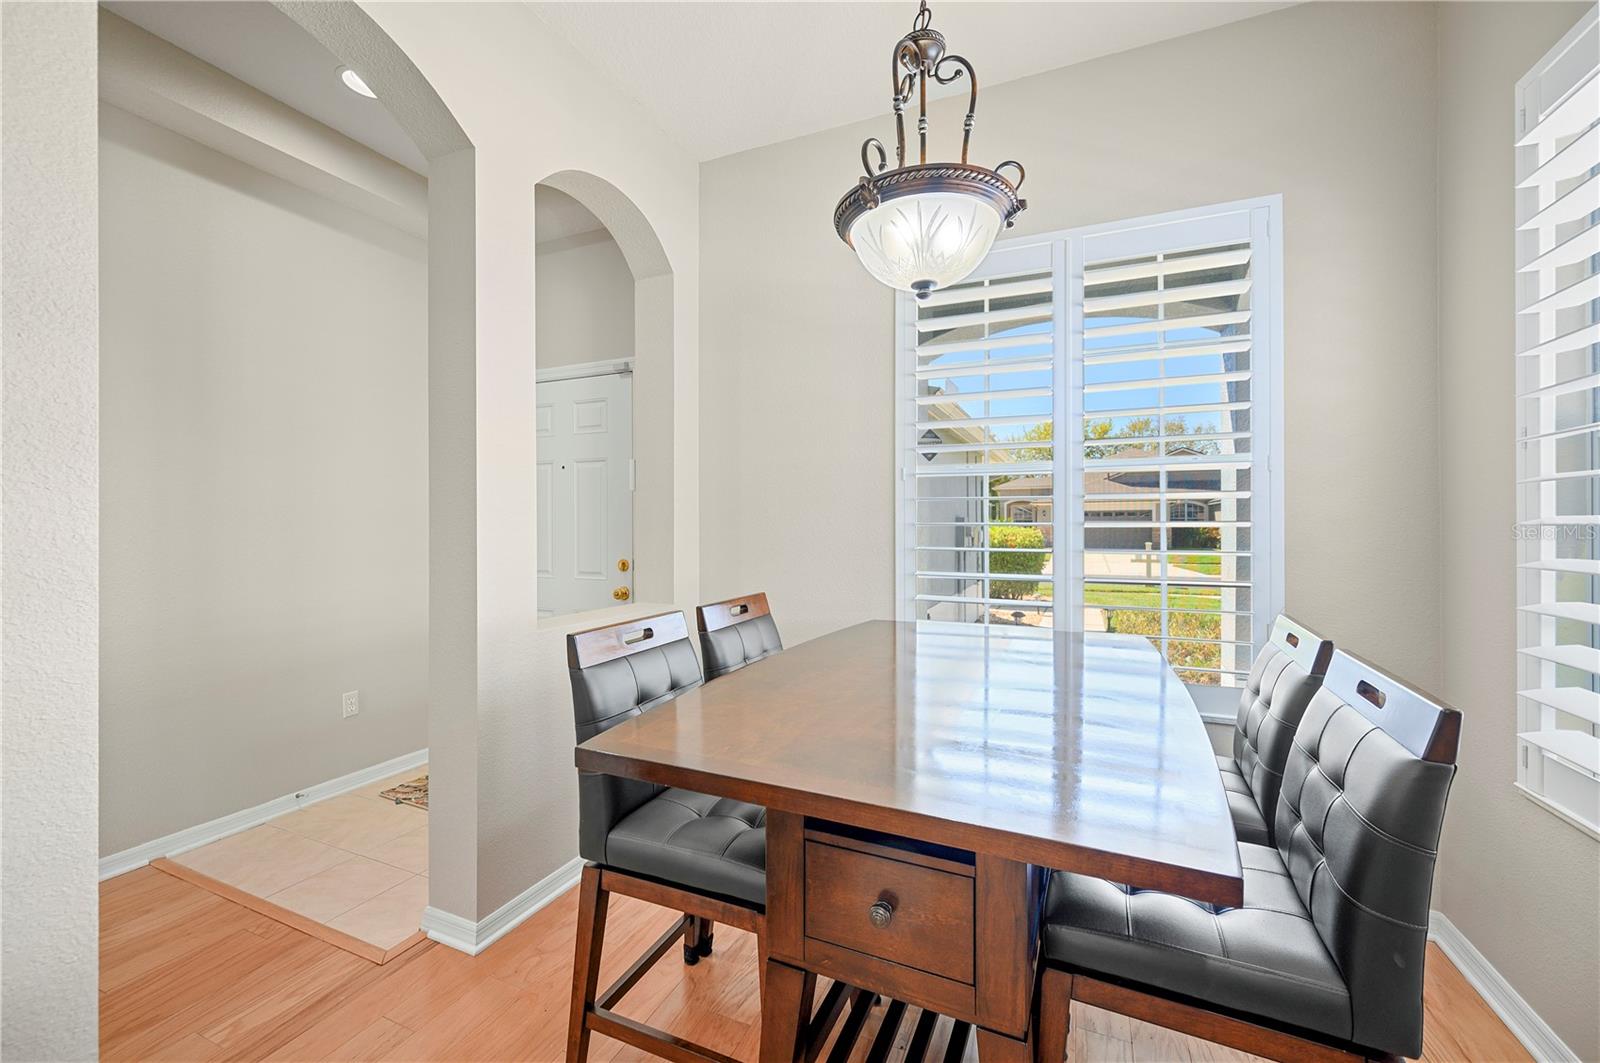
353 82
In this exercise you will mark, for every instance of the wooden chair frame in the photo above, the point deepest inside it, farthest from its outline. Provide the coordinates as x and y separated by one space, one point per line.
715 616
1422 724
1060 986
592 1011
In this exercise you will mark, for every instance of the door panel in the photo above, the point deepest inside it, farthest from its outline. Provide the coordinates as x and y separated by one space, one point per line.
585 493
589 514
545 499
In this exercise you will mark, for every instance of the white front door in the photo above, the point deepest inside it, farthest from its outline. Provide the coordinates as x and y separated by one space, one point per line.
585 493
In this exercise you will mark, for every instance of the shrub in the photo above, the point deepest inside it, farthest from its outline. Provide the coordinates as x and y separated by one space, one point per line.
1012 537
1180 626
1196 538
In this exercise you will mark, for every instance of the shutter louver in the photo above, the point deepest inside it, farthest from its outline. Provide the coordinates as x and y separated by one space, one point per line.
1558 427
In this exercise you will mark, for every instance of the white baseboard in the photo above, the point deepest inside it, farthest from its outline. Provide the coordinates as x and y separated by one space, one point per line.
472 938
1523 1022
204 833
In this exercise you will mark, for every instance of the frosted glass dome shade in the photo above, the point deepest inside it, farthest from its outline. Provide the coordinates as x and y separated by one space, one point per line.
922 242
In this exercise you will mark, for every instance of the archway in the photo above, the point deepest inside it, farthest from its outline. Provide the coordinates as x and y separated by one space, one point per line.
355 39
652 356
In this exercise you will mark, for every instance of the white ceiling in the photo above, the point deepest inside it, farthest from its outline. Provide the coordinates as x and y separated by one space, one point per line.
726 77
717 77
267 50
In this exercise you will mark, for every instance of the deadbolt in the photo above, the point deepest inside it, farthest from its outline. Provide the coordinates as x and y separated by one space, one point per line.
622 565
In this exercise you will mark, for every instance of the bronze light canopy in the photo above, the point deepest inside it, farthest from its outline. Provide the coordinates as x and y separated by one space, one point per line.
925 226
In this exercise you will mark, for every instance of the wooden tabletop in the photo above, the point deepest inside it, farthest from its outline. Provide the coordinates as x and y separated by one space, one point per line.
1076 751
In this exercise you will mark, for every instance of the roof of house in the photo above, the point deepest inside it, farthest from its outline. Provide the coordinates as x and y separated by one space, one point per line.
1027 485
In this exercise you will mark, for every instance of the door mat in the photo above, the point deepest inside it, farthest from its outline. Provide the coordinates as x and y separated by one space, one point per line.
414 792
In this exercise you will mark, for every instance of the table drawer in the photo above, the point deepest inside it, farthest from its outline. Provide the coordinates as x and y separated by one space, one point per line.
926 914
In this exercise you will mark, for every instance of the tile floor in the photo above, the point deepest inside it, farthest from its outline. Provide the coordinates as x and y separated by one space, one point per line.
357 862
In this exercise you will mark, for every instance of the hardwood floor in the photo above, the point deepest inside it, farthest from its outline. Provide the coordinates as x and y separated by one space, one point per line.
188 975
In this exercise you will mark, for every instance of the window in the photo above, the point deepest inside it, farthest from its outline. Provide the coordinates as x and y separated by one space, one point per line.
1155 343
1558 428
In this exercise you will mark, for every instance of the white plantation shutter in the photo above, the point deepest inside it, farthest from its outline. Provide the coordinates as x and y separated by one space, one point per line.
1558 427
980 388
1174 539
1084 439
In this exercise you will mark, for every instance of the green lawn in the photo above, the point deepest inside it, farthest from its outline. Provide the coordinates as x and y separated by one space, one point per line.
1207 566
1124 595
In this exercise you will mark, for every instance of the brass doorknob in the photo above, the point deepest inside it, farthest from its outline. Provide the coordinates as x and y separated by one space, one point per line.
622 594
880 914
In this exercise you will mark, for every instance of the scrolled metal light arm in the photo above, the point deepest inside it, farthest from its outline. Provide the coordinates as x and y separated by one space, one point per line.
919 57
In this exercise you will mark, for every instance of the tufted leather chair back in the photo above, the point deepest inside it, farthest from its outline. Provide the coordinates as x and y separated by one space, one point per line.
735 633
618 672
1286 673
1358 823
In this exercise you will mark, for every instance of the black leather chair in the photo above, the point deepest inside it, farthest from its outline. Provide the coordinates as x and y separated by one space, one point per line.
1285 674
1324 959
701 855
735 633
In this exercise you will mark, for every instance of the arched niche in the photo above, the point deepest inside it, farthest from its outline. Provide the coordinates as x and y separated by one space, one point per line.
654 414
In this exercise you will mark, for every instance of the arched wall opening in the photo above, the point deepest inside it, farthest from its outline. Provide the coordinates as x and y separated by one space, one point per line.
274 329
502 815
347 31
579 281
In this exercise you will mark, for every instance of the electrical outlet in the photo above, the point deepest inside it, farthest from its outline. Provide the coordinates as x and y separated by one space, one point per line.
352 703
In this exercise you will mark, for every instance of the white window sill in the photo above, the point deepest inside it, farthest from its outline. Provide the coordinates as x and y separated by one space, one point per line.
1557 811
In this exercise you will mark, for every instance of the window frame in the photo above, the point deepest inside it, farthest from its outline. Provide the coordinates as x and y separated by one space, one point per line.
1064 249
1532 578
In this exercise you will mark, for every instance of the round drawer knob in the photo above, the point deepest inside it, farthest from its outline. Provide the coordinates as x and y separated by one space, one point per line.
880 914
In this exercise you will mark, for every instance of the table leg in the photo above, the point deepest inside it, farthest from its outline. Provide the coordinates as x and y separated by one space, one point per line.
998 1048
786 997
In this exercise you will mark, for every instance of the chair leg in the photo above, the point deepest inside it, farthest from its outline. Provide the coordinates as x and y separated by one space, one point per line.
592 904
697 939
1053 1017
706 926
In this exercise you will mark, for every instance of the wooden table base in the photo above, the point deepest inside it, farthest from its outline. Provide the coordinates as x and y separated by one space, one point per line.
795 1028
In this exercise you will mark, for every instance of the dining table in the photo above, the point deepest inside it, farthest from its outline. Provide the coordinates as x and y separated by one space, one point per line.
921 780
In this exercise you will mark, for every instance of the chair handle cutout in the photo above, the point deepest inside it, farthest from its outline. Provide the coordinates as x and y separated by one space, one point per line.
1370 692
740 609
642 635
1292 639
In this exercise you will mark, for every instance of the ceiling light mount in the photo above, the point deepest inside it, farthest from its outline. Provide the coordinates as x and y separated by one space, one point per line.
927 225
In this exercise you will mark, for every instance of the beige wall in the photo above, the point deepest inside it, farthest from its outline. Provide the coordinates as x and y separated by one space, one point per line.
1398 381
1521 884
584 303
264 485
49 543
1329 104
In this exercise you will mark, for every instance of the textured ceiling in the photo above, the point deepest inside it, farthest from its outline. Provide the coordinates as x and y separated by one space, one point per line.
726 77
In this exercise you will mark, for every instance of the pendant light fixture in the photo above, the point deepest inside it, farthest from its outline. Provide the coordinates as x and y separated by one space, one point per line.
927 225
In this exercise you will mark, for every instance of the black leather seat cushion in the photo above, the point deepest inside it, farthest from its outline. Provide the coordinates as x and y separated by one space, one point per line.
1248 823
737 645
695 840
1265 958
